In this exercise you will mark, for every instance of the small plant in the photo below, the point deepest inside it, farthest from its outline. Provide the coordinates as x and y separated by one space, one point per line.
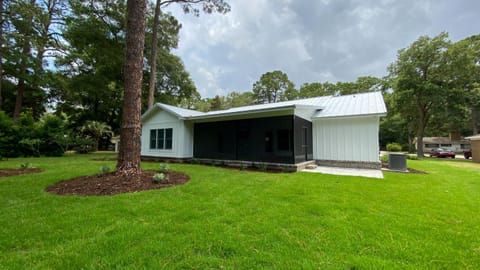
104 169
384 158
394 147
412 157
160 178
25 165
212 163
164 167
194 161
242 166
285 169
263 167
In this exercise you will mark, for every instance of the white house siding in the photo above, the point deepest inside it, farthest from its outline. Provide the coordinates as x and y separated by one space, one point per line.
182 139
346 139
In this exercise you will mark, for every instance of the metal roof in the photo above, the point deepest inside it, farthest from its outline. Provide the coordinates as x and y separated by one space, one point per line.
326 106
353 105
474 137
440 140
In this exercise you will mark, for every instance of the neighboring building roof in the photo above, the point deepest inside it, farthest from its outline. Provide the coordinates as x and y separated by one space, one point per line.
326 106
474 137
440 140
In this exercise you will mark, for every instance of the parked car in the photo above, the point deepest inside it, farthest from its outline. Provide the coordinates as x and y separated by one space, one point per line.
467 154
442 153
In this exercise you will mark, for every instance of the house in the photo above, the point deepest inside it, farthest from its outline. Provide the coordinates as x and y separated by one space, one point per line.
475 139
454 143
330 130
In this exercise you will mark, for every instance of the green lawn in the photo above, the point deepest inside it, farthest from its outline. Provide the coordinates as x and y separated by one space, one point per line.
245 220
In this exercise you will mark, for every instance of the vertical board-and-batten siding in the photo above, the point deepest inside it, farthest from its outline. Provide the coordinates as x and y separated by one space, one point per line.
182 139
346 139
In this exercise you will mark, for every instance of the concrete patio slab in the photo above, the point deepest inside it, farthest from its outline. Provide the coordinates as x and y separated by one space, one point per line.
346 171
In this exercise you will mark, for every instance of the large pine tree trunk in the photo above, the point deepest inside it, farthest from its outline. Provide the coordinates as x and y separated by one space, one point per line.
153 56
422 124
21 79
129 156
23 66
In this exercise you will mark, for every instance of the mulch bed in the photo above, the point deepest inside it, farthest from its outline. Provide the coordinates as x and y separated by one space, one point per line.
110 184
12 172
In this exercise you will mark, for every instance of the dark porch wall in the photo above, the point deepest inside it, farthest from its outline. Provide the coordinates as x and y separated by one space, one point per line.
303 140
268 139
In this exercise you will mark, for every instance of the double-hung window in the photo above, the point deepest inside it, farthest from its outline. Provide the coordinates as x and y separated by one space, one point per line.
161 138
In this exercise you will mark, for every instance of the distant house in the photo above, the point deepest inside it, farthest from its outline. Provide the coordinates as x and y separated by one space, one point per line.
330 130
454 143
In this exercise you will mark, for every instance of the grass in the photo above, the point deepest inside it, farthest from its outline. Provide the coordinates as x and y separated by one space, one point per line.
244 220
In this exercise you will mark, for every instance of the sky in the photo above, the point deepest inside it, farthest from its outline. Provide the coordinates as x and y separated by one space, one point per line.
311 40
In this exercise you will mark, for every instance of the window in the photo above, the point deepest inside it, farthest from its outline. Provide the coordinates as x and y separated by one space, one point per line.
161 138
446 145
431 145
464 146
284 140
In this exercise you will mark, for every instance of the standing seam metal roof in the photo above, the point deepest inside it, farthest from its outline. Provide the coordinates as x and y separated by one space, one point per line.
328 107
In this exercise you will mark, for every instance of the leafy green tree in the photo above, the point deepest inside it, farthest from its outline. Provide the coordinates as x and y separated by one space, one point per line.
272 87
96 130
237 99
463 71
419 84
217 103
31 36
316 89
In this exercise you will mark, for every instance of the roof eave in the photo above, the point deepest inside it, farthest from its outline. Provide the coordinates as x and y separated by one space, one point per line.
350 116
198 117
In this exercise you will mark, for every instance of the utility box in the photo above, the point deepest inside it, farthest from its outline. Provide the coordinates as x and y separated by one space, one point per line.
397 162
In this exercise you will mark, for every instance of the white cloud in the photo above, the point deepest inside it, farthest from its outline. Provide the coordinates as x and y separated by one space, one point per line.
310 40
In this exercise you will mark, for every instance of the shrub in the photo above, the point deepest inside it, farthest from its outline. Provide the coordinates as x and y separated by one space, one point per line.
384 158
242 166
31 146
83 145
26 165
160 178
9 137
104 169
394 147
412 157
164 167
263 167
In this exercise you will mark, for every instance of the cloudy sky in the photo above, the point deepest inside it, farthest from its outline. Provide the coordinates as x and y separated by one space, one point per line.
311 40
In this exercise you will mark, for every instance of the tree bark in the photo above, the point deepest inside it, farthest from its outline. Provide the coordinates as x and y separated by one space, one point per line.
21 81
23 67
128 163
153 55
422 123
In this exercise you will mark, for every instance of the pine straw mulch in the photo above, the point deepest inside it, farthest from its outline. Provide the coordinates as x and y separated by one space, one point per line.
12 172
111 184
